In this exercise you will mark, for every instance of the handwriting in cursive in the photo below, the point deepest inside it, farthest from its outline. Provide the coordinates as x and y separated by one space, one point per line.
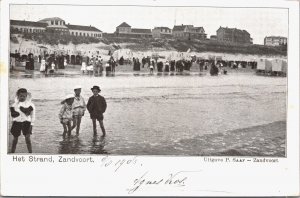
177 179
117 164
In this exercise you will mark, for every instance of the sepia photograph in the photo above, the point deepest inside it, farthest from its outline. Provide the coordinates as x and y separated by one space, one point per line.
183 81
149 98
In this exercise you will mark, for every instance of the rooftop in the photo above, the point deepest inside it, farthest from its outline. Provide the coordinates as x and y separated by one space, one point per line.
232 30
84 28
51 19
162 28
179 27
124 24
27 23
143 31
282 37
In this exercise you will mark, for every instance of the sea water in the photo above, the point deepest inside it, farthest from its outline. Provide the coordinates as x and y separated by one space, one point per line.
150 114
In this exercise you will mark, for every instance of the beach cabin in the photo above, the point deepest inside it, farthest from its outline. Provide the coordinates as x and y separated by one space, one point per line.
284 67
273 67
276 65
264 65
279 66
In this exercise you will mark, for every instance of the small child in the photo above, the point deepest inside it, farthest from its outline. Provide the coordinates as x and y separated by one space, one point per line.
151 67
79 108
23 116
96 107
66 114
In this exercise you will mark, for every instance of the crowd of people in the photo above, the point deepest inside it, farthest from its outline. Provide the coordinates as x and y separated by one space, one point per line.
71 112
95 64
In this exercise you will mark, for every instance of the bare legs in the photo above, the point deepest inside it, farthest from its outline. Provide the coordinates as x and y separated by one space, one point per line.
101 126
28 143
67 129
76 124
14 144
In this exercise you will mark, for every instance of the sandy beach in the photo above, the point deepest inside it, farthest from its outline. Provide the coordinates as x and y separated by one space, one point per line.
162 114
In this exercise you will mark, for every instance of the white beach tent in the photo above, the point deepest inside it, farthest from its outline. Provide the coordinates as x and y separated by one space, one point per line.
279 65
264 64
126 53
284 66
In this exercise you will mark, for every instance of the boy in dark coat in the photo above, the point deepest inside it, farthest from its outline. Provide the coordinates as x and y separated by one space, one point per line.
96 106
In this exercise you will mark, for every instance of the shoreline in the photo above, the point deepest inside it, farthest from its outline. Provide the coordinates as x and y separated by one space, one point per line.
267 140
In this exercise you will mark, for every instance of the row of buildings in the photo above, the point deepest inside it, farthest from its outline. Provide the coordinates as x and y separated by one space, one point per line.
178 31
189 32
55 24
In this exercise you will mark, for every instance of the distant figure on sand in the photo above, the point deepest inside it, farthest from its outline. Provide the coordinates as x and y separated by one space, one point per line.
214 70
151 67
23 116
84 64
43 65
96 107
79 108
66 114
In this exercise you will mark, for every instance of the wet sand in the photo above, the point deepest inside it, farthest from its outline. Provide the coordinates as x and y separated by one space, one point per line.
183 115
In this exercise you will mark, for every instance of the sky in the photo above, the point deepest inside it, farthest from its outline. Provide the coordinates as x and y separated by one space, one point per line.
259 22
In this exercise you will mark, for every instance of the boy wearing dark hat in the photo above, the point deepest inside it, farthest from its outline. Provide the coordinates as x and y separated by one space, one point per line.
23 116
96 106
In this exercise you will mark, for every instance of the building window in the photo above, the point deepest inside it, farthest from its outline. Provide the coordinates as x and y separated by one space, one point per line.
76 33
52 23
83 34
80 34
56 22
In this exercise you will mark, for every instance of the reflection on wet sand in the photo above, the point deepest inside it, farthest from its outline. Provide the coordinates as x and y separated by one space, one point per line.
70 145
97 145
73 145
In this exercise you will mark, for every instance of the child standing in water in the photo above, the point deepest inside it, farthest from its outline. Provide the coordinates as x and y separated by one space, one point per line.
96 107
79 108
23 116
66 114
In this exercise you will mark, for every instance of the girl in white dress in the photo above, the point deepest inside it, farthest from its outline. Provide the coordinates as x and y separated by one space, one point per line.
43 65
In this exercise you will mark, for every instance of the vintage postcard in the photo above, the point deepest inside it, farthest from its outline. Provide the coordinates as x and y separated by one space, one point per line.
131 98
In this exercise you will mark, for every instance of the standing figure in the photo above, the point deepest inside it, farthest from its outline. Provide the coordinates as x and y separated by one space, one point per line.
84 64
151 67
143 62
23 116
79 108
65 62
43 65
97 106
66 114
167 68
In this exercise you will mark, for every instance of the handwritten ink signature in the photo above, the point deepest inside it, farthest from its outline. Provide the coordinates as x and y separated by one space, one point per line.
177 179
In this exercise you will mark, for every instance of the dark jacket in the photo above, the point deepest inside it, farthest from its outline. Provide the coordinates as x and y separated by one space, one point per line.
96 105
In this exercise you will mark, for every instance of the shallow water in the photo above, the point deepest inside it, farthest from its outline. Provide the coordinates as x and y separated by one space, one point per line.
150 114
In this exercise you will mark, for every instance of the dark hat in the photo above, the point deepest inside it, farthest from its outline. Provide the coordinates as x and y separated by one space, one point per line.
21 90
96 87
